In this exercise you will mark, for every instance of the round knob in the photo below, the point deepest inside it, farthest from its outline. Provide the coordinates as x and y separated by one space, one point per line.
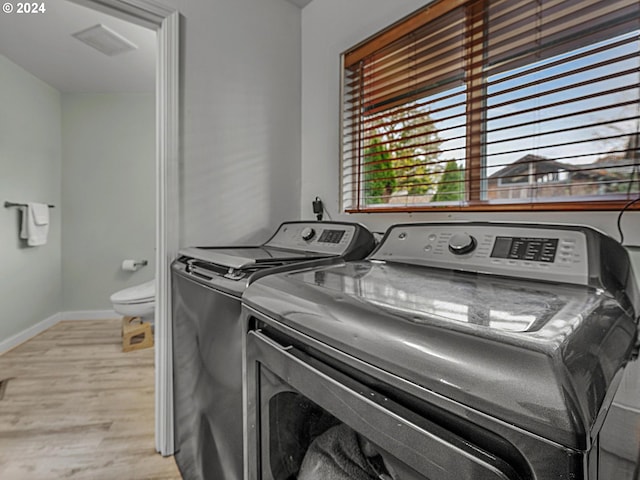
307 233
462 243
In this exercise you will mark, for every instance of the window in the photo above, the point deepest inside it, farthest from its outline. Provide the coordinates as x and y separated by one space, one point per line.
495 104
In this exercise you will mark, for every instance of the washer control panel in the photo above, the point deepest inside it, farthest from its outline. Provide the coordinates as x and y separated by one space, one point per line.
553 253
324 237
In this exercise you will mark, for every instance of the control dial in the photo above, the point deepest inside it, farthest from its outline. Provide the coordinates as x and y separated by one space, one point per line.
307 233
462 243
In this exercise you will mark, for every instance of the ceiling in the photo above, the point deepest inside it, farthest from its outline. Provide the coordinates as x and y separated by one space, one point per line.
42 44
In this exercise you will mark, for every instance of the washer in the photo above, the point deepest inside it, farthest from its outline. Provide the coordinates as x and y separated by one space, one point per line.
456 350
207 286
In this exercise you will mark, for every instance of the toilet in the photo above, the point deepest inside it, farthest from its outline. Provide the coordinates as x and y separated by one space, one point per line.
137 301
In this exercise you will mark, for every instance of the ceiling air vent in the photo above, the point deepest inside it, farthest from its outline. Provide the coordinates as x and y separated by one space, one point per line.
105 40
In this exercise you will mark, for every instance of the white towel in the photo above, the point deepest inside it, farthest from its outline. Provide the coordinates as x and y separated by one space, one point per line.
35 224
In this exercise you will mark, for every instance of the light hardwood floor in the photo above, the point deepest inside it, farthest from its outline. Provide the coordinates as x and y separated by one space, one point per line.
77 407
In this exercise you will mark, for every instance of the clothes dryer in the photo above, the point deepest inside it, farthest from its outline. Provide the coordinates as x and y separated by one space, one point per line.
207 286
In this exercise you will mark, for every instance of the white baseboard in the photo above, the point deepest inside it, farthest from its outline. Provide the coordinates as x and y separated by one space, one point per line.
89 315
28 333
23 336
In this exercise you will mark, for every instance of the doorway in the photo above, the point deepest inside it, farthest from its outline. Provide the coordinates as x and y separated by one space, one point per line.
165 22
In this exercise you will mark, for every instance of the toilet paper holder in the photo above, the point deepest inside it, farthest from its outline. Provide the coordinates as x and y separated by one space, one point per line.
133 265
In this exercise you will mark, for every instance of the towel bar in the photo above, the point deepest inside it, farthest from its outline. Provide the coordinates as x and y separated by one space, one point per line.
12 204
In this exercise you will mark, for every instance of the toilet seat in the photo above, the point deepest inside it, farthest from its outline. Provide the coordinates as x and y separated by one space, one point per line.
137 301
142 309
142 293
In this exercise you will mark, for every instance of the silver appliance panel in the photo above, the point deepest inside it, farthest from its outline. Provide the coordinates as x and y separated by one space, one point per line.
293 241
450 332
207 286
484 433
509 250
309 421
207 363
329 238
241 258
524 330
439 296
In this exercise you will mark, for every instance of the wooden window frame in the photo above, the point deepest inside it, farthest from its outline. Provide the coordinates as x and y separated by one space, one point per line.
475 121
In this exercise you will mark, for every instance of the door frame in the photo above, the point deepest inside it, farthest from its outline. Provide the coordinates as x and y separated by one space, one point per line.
165 21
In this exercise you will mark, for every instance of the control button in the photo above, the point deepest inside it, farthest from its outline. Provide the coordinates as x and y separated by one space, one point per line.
427 248
307 233
462 243
432 237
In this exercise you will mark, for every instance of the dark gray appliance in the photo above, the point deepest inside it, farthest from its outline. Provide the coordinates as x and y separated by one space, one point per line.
207 285
455 351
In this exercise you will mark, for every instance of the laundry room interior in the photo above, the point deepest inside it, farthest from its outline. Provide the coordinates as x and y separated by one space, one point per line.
318 239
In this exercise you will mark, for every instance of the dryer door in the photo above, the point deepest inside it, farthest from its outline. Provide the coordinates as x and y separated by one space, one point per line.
308 421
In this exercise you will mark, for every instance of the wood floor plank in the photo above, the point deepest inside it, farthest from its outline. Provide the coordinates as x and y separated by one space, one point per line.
78 407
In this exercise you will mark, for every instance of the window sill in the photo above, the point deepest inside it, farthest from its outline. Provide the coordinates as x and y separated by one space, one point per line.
603 205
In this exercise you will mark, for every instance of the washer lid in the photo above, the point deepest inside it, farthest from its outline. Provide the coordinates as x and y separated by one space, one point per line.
248 257
137 294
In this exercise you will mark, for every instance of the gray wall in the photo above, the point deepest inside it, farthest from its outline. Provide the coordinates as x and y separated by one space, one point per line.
30 164
108 195
240 139
240 119
329 27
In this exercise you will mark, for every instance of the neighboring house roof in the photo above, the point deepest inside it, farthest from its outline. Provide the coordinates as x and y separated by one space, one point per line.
610 167
521 166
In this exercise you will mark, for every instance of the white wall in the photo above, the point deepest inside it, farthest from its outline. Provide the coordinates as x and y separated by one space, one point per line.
30 164
93 157
330 27
240 118
108 195
240 139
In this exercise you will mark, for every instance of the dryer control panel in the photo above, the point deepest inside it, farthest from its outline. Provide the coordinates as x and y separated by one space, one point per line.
533 252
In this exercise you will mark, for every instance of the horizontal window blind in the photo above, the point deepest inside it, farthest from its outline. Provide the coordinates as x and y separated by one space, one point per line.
495 102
